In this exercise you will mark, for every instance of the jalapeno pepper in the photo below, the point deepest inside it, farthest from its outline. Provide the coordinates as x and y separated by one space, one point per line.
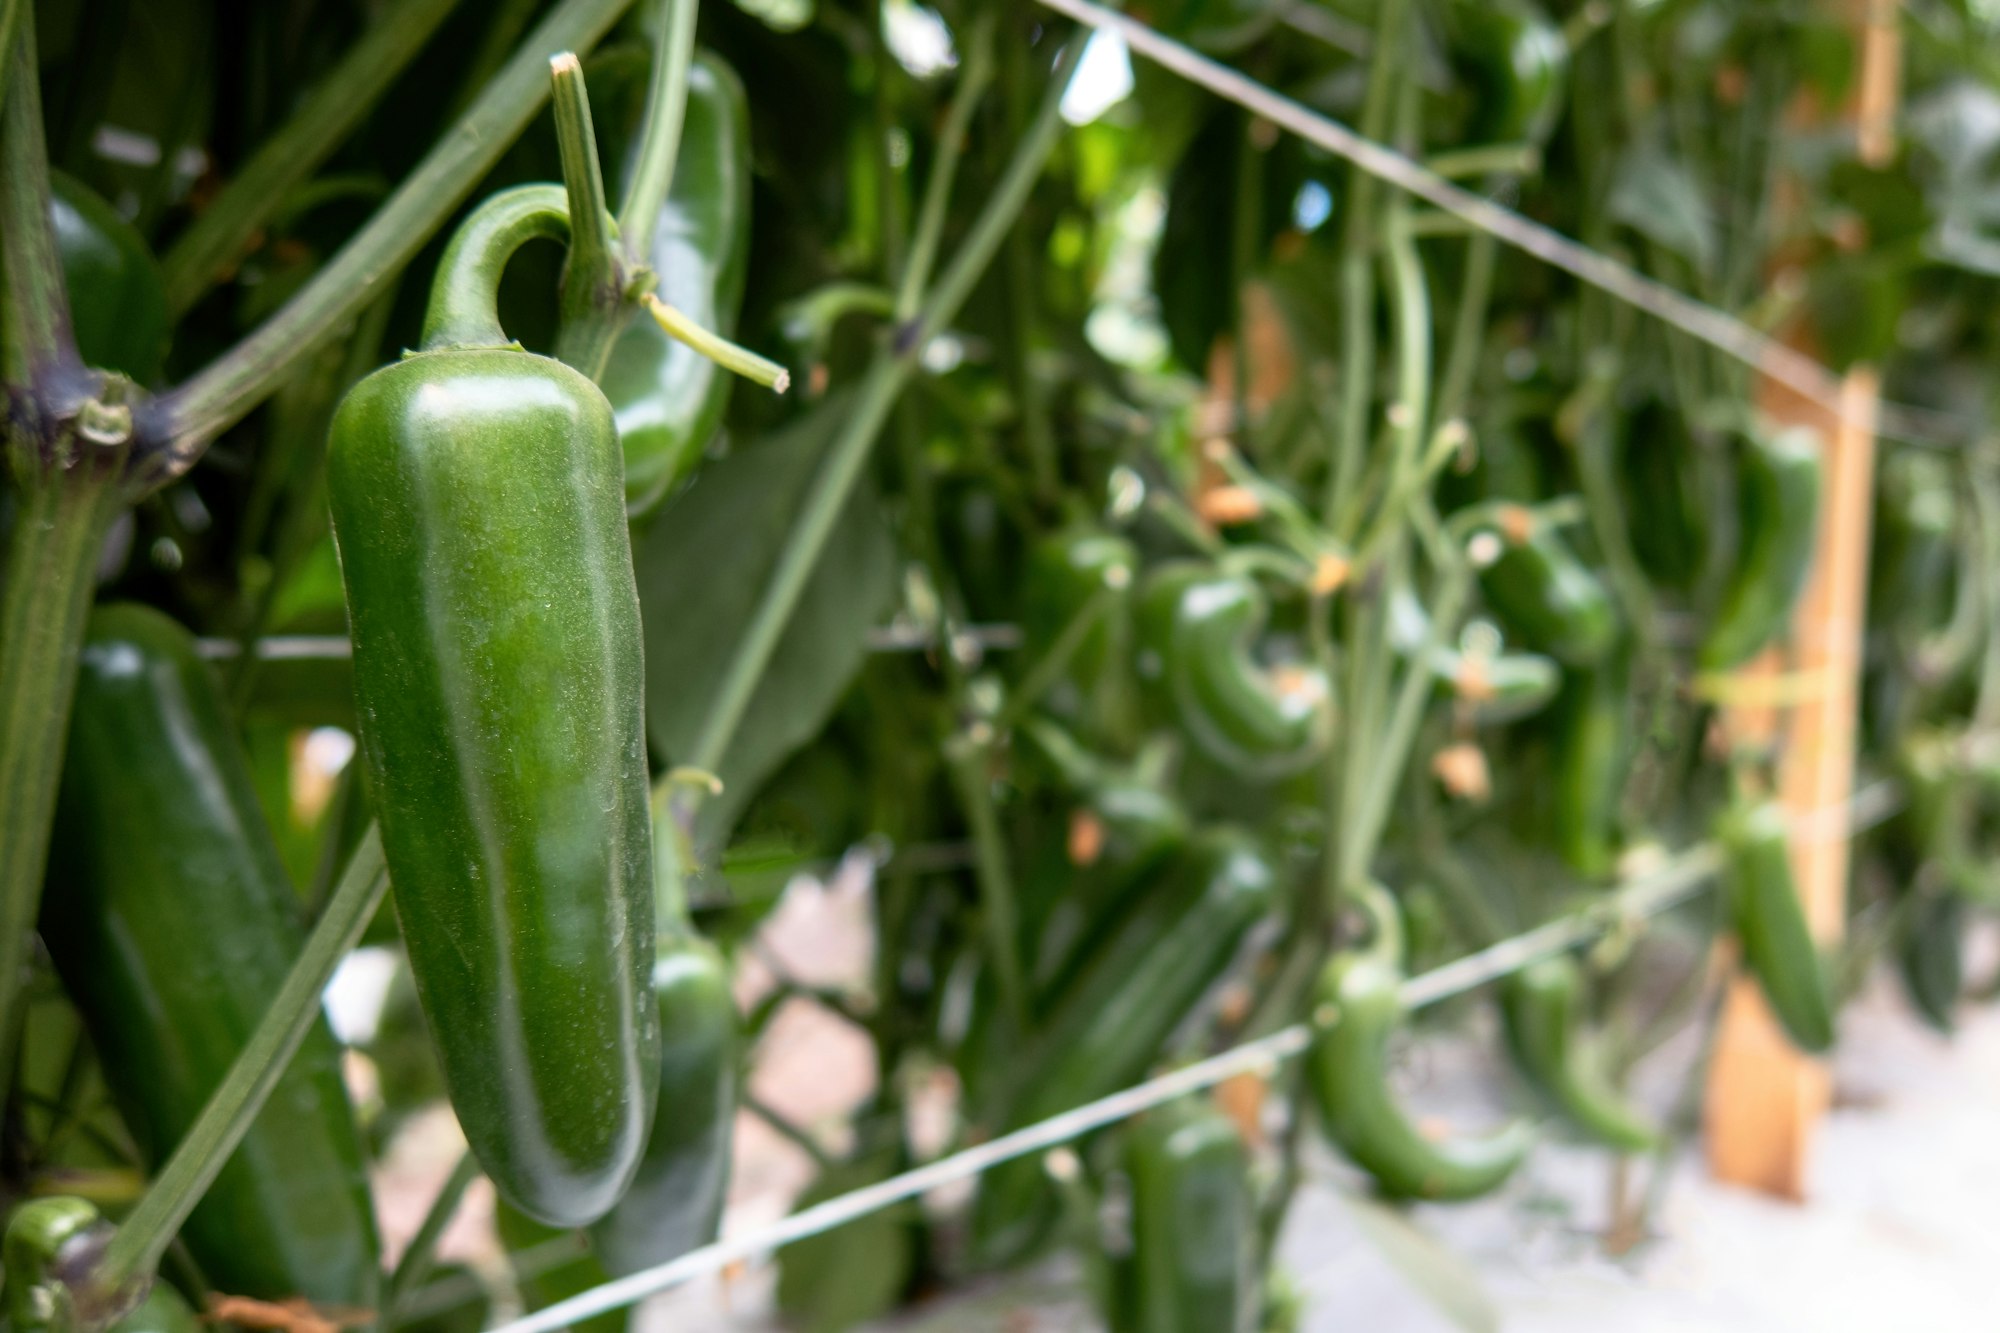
1519 62
1112 1020
1198 627
1541 591
1777 500
477 502
1778 947
1542 1006
117 296
172 926
675 1202
1067 573
1591 751
1194 1226
1358 1007
669 398
1930 955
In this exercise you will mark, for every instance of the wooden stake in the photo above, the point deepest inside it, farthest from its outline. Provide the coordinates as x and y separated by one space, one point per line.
1765 1098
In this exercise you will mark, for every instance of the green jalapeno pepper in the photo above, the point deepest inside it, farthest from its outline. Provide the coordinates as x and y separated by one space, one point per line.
1777 501
1115 1016
1519 61
1930 956
477 501
1542 1008
117 296
669 398
1770 921
675 1202
172 927
1067 573
1192 1264
1536 586
1591 752
1197 628
1358 1007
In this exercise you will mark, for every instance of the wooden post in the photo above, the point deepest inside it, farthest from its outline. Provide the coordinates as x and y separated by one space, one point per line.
1765 1098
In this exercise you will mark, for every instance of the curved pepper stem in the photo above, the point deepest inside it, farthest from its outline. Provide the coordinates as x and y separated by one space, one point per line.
464 309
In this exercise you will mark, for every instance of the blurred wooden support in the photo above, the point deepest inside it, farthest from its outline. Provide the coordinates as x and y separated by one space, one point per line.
1765 1098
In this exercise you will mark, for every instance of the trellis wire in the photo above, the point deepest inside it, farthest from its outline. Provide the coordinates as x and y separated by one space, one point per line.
1792 368
1681 878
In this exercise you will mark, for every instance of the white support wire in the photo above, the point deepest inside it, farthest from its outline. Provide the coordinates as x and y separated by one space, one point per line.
1724 332
1681 878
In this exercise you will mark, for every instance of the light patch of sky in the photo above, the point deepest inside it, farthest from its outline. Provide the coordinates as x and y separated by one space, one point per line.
1103 79
918 38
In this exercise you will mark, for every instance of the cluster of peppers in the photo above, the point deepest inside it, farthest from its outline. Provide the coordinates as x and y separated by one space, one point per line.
480 499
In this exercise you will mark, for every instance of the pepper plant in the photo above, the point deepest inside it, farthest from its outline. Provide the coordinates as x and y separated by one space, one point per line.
1208 584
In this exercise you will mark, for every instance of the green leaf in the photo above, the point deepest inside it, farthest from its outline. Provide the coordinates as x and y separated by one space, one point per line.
831 1282
1659 197
703 566
1438 1275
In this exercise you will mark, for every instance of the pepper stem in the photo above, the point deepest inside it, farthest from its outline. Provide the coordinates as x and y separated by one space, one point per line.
730 356
464 311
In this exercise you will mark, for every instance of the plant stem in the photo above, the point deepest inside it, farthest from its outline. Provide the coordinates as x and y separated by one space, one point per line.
732 357
196 412
44 604
593 285
966 758
136 1249
1468 330
1045 671
1357 278
659 149
877 394
215 240
418 1259
10 23
36 340
973 77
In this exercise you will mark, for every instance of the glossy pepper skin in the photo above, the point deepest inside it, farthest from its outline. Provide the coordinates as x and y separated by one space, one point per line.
675 1202
1778 946
1542 1008
1192 1268
172 926
1930 956
1359 1003
668 398
1777 501
1520 63
1591 751
1112 1020
117 297
477 501
1068 572
1541 591
1197 628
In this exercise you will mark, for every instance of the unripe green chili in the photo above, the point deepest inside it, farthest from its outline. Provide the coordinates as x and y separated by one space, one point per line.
1112 1020
1930 955
1519 60
675 1202
117 296
478 507
171 923
1067 573
1197 628
1777 500
1778 946
1357 1007
1591 752
1536 586
1192 1267
1542 1005
667 397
